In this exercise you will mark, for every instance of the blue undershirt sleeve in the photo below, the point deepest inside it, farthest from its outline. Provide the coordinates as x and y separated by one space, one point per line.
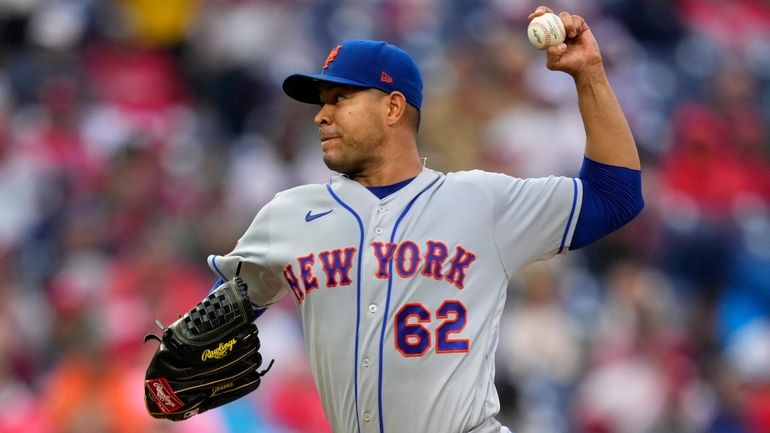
612 196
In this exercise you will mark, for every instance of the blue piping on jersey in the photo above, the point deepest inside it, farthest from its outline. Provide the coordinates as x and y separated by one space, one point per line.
217 283
216 268
358 294
387 302
571 214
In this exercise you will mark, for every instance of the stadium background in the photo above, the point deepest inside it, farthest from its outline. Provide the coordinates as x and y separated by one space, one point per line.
138 136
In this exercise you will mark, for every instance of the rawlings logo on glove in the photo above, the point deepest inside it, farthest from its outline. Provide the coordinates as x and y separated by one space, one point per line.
207 358
161 393
218 353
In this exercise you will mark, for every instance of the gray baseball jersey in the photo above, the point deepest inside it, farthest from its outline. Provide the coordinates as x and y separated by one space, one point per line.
400 298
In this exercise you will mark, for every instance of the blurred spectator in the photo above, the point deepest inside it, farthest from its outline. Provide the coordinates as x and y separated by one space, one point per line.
19 184
743 316
540 350
641 368
22 340
714 18
519 138
451 133
719 151
651 22
163 23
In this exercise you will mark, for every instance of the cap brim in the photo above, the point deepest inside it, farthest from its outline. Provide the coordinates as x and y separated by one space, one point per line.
304 87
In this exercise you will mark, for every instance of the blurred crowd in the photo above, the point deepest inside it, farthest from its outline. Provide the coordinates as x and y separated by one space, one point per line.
139 136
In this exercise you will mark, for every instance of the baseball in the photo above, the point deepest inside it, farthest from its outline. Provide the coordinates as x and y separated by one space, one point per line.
546 30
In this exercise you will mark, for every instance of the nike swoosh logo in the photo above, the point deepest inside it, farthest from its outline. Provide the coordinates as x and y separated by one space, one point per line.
310 217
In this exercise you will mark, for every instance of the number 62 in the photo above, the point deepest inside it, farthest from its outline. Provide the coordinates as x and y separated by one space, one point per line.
414 339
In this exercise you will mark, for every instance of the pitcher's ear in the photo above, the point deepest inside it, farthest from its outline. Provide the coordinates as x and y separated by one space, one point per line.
396 107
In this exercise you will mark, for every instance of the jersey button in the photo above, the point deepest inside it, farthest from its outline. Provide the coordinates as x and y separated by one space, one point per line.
367 417
372 308
366 362
381 209
378 230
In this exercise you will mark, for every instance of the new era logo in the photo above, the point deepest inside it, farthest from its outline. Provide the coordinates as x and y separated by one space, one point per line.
385 78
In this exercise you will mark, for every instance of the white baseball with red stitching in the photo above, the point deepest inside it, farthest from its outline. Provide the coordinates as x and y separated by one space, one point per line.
546 30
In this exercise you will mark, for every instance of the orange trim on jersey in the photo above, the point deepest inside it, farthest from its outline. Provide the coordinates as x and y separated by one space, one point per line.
337 266
460 263
434 259
454 331
419 320
414 259
293 281
306 272
383 258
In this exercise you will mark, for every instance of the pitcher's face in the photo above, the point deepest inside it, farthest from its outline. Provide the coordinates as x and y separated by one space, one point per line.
351 127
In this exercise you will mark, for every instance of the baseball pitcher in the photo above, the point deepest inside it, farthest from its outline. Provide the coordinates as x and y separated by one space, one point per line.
399 272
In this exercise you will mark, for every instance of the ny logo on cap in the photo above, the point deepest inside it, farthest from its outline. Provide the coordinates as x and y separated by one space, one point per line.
331 56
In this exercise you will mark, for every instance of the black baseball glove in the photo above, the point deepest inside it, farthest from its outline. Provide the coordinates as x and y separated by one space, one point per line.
207 358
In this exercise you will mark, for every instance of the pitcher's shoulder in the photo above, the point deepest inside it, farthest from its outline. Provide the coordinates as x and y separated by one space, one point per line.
302 191
308 193
477 176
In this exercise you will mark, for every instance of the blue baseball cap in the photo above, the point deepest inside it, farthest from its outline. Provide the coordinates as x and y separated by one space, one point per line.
365 64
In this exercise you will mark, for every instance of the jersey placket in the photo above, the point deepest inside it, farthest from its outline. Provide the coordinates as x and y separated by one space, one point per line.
382 225
373 299
387 229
